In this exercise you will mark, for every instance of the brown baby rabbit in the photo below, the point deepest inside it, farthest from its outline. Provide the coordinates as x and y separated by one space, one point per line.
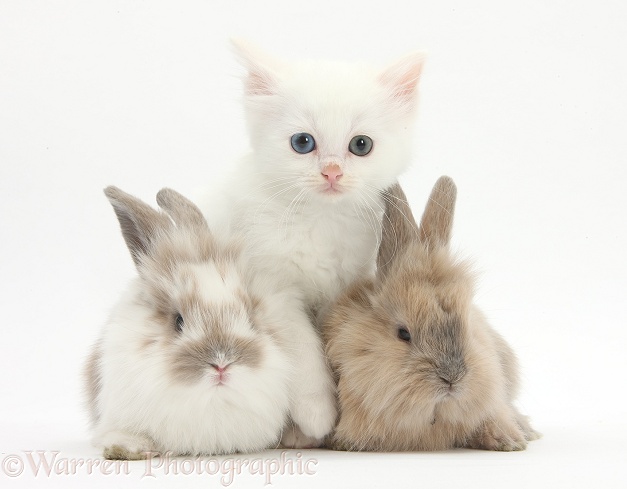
417 365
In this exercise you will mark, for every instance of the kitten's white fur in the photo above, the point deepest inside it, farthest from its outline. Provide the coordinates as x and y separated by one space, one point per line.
319 241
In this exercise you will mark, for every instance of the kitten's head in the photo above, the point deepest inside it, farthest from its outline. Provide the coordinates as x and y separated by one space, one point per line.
330 130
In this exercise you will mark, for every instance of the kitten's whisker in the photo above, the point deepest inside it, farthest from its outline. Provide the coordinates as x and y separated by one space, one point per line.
267 201
394 233
364 216
408 219
375 220
288 213
388 197
273 183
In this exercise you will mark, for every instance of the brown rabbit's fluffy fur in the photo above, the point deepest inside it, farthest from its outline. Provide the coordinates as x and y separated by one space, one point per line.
452 383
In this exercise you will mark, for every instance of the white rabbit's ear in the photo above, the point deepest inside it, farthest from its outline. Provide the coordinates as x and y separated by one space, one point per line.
183 212
399 228
140 223
437 219
262 68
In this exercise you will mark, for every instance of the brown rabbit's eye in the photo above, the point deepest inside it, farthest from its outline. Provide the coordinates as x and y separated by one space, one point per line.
179 323
403 334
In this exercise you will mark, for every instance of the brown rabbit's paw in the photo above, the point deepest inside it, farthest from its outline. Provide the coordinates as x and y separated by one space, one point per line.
503 437
340 445
530 433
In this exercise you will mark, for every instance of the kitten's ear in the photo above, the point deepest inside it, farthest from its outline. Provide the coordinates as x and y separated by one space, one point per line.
262 69
402 78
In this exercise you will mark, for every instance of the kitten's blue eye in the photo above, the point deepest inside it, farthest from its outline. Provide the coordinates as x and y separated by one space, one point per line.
360 145
303 143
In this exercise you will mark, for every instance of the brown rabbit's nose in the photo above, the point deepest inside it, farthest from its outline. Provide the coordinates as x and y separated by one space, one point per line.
448 383
451 373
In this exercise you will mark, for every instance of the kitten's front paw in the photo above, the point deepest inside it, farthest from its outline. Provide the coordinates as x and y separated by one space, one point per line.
293 437
123 446
315 416
500 435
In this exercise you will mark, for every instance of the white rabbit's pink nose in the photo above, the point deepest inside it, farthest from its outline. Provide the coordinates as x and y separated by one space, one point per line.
221 371
332 173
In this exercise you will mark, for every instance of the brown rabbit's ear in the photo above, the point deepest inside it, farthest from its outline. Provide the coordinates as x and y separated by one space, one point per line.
437 219
140 223
183 212
399 228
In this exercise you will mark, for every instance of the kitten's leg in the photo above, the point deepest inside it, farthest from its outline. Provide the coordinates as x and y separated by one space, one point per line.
293 437
313 407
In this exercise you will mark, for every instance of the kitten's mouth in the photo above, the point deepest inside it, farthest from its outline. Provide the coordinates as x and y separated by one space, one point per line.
331 189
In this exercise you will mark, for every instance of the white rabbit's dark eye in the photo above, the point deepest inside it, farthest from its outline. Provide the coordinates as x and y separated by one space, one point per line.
360 145
303 143
403 334
179 323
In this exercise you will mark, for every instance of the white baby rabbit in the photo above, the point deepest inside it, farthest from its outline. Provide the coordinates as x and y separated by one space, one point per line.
198 357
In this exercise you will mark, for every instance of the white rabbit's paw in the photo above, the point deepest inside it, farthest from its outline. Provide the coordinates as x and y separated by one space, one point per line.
123 446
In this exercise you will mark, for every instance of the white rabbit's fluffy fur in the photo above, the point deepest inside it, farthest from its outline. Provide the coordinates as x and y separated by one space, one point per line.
154 378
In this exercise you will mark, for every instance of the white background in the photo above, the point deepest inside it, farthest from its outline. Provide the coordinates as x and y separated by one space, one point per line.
523 103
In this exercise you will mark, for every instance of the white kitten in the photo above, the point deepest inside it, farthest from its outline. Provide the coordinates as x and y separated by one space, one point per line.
326 138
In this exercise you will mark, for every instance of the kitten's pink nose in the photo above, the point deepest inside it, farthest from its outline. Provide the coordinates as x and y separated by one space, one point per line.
332 173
